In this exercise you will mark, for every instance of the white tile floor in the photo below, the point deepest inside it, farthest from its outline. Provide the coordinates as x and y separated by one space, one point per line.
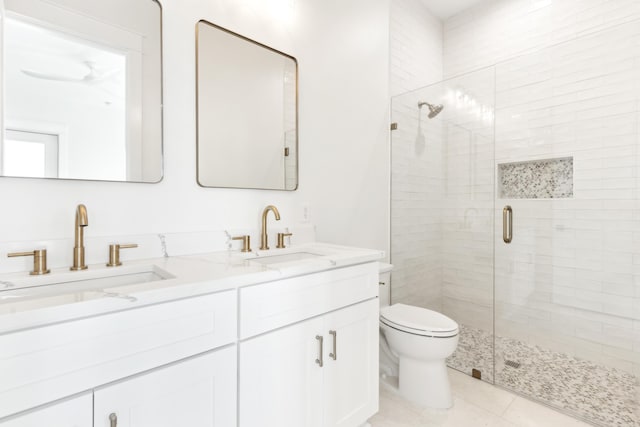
476 404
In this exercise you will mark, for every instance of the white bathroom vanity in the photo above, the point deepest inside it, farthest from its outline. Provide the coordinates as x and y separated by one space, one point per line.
277 338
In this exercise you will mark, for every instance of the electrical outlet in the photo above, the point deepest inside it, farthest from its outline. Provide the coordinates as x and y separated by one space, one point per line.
306 212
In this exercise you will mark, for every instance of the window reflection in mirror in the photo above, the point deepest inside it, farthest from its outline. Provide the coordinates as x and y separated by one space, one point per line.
30 154
247 112
88 76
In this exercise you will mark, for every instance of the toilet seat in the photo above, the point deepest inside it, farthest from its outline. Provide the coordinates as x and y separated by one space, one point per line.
418 321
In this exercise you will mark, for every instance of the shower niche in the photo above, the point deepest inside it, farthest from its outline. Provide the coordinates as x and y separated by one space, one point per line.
536 179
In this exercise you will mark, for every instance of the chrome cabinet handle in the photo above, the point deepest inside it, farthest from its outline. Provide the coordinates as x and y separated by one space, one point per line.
507 224
334 355
113 418
319 359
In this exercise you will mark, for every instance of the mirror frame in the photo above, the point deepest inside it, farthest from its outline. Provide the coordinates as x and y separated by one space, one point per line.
161 106
295 61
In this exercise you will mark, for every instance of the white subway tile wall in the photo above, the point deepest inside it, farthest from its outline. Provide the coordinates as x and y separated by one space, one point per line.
416 203
416 150
415 46
499 30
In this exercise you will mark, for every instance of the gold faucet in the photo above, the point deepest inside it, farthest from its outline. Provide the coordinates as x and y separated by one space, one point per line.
82 220
263 240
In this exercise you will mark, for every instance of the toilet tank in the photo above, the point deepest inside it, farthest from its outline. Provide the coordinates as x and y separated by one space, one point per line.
384 281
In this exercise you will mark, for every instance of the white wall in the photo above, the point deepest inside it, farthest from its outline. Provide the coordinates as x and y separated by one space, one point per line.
342 49
344 166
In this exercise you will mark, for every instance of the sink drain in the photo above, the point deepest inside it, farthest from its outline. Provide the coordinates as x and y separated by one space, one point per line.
512 363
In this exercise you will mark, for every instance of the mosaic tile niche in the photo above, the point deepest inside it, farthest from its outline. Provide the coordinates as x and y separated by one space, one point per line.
538 179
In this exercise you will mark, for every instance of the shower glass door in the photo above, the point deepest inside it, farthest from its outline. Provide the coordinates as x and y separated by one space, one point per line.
442 201
567 286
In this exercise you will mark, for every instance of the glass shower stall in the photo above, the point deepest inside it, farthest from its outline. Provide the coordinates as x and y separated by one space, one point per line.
516 212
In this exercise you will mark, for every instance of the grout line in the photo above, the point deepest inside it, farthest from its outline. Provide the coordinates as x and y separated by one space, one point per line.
515 397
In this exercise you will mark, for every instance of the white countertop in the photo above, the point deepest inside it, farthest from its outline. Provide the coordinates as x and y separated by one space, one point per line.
25 303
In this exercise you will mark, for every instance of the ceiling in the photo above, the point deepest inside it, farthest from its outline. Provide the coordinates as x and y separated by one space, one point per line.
444 9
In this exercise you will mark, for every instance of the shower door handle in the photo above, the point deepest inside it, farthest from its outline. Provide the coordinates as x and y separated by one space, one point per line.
507 224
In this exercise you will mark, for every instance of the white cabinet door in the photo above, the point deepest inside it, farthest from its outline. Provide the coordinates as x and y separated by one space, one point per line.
75 412
351 380
280 381
198 392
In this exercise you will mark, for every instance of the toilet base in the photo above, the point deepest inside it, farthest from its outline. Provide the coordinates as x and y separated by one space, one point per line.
425 383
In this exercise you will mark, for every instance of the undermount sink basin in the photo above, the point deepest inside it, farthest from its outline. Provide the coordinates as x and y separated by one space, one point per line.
290 257
65 287
117 280
90 280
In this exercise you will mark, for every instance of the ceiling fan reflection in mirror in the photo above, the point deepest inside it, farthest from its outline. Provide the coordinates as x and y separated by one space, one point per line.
92 77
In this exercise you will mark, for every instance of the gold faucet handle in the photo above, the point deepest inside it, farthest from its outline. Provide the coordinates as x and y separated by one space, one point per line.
39 261
281 237
246 242
114 253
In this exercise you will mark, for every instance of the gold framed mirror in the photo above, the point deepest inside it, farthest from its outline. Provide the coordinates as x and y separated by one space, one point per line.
247 112
83 90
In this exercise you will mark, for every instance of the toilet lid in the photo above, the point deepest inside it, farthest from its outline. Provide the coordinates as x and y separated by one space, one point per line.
418 320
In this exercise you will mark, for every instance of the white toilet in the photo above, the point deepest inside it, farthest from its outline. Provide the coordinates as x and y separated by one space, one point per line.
419 341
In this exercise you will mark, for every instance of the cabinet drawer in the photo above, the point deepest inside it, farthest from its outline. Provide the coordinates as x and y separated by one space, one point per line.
272 305
197 392
76 412
44 364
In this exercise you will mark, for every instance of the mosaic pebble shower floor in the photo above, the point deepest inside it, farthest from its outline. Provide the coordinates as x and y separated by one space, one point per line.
605 396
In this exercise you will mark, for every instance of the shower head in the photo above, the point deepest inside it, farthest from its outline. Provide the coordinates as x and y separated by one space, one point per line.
434 110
